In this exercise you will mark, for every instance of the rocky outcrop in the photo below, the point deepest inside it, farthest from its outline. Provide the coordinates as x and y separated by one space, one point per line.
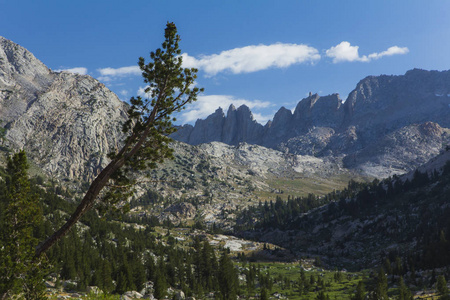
278 130
67 123
236 127
182 210
240 127
392 102
399 150
209 129
316 111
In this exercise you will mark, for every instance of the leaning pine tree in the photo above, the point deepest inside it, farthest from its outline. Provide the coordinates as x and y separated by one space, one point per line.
147 128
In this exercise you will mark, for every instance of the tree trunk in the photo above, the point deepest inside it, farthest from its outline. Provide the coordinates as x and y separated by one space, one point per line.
85 205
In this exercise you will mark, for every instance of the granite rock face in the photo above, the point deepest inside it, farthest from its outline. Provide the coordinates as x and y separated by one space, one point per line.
66 122
379 108
236 127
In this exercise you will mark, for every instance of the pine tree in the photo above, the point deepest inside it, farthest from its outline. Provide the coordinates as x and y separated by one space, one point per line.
147 128
160 284
321 296
264 295
381 288
20 271
139 275
442 287
403 291
208 267
360 291
228 280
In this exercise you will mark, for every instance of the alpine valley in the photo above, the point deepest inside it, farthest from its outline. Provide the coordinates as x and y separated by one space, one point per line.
334 184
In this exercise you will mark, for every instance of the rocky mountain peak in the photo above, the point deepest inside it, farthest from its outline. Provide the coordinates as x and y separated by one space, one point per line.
22 75
281 116
244 110
16 61
240 126
231 109
305 105
380 108
66 122
219 112
237 126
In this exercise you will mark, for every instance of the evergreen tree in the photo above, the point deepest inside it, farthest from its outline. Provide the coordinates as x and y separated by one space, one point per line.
102 277
442 287
208 266
403 291
228 278
125 280
147 128
360 292
160 284
139 275
321 296
20 271
381 287
264 295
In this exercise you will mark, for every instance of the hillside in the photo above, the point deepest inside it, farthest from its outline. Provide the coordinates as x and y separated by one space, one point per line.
364 224
220 179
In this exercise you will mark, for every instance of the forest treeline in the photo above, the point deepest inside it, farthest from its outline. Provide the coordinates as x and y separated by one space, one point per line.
114 256
422 206
119 256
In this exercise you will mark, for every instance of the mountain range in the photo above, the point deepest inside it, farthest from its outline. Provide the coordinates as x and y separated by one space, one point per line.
68 123
387 125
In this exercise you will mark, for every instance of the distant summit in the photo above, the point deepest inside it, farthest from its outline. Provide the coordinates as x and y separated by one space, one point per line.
380 108
236 127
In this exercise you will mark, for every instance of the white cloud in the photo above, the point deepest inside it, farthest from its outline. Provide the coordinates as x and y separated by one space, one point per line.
123 71
239 60
262 119
141 92
109 74
389 52
346 52
206 105
79 70
253 58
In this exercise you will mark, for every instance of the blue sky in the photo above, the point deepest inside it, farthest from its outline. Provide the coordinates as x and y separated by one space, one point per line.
265 54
